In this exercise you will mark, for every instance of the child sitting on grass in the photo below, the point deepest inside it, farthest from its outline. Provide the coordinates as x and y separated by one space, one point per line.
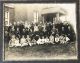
57 39
12 41
43 40
47 40
51 38
29 40
66 39
23 41
39 41
61 38
33 42
17 42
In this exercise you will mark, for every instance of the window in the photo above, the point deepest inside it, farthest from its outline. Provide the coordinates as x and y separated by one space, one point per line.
35 16
7 18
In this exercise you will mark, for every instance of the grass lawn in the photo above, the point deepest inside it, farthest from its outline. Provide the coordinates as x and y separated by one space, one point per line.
52 51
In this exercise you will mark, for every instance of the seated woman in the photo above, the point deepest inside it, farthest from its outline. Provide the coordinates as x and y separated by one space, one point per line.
17 42
23 41
51 38
57 39
12 41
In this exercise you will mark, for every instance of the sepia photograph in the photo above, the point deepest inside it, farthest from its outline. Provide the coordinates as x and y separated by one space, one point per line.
39 31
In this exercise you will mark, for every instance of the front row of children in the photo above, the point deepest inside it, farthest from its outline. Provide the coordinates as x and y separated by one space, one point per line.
63 39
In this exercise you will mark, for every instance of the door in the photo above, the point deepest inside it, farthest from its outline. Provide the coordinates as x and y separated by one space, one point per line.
49 18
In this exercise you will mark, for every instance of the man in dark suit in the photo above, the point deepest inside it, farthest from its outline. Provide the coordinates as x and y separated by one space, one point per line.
69 31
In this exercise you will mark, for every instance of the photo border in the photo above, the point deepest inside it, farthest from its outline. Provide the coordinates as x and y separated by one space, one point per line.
37 1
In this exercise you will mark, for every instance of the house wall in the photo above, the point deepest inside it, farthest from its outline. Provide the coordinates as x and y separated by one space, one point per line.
26 13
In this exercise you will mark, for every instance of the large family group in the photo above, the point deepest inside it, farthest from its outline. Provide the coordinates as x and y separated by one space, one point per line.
38 33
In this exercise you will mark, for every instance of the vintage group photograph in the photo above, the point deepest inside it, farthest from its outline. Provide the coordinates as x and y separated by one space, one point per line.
40 31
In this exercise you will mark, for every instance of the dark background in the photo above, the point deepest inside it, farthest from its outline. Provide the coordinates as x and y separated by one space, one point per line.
38 1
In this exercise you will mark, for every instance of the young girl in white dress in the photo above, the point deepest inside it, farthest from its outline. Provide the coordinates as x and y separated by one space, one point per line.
51 38
12 41
29 40
34 42
66 39
42 40
61 38
23 41
39 41
17 42
47 40
57 39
